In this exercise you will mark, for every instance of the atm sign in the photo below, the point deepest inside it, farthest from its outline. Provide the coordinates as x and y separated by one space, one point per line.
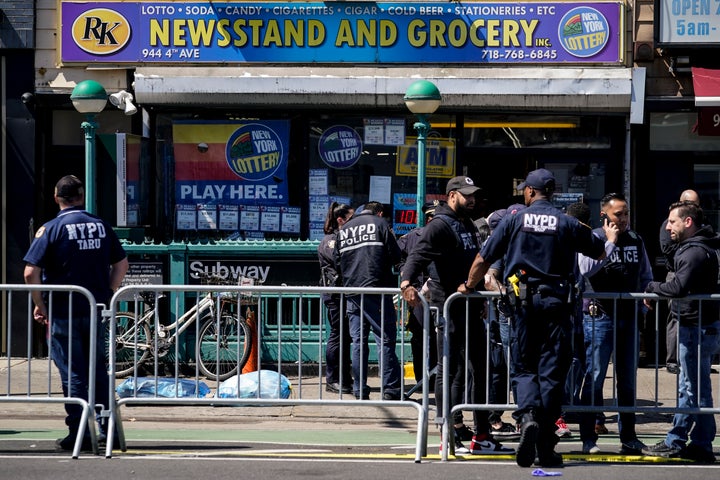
439 158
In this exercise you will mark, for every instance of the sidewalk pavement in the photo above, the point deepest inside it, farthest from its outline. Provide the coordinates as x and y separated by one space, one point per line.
304 418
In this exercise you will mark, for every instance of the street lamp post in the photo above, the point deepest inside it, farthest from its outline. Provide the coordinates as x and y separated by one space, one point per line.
89 97
422 98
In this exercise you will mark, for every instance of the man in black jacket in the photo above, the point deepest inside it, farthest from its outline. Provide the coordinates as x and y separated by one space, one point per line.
668 248
366 252
445 251
407 244
696 272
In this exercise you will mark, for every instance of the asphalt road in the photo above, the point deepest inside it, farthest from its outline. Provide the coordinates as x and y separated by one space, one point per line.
338 441
343 452
277 466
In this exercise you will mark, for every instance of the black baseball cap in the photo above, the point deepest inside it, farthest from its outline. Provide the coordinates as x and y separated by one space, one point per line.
540 179
69 187
462 184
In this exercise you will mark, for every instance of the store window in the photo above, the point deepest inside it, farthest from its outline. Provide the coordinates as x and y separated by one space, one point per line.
707 185
357 159
273 178
269 177
676 131
536 131
581 151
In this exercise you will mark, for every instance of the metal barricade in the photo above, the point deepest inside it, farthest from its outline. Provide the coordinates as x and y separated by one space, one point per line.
643 321
36 385
142 333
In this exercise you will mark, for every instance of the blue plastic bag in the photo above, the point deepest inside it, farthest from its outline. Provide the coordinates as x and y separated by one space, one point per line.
269 381
165 388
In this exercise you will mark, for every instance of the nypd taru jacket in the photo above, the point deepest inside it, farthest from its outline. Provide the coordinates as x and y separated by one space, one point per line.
446 249
696 272
366 252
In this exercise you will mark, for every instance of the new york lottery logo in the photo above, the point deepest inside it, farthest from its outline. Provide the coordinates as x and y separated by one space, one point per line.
584 32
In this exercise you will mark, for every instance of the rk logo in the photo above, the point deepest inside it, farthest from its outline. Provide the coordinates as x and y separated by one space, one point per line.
101 31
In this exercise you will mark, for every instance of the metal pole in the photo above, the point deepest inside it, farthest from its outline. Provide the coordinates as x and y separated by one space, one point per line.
423 127
89 127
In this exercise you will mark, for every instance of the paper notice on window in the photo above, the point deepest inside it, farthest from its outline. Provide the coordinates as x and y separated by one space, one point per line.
380 189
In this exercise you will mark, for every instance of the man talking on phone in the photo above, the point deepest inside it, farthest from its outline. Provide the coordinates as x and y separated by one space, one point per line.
625 268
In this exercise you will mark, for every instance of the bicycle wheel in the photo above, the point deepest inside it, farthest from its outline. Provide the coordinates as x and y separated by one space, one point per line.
126 342
222 350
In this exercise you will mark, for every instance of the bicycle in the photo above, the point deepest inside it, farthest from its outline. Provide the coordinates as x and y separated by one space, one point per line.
224 337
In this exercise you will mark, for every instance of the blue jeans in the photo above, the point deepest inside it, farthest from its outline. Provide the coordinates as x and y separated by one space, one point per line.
505 338
75 381
362 321
599 342
703 431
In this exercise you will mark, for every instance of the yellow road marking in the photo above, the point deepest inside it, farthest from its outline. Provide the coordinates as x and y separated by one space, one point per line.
394 456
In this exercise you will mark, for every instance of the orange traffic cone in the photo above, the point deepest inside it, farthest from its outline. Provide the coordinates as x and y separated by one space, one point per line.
253 360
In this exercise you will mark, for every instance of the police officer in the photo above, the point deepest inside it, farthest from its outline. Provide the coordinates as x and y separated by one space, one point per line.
365 253
540 244
611 326
338 375
75 248
407 244
445 251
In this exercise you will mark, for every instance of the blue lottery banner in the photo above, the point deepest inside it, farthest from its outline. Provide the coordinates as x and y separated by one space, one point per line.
342 32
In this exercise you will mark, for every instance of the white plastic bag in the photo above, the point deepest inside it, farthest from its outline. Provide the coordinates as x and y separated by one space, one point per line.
269 381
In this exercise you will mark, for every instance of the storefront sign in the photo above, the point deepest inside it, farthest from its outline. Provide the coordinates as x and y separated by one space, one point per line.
439 158
231 163
345 32
686 22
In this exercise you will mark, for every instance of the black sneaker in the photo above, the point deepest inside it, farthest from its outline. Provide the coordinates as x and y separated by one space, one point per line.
334 387
632 447
697 454
464 433
365 394
67 444
549 460
662 449
391 396
504 431
528 437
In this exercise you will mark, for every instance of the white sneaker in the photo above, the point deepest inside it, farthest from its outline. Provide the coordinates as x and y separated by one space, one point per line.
460 449
488 446
590 447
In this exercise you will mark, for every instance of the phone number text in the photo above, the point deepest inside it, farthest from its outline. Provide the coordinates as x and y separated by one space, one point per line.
544 54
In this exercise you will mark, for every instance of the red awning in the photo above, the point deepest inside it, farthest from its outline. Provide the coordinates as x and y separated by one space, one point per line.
706 83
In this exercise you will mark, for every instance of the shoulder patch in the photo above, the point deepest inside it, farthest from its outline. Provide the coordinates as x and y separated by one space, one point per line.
40 232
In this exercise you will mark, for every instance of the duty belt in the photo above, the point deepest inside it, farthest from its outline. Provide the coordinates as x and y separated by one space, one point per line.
544 289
